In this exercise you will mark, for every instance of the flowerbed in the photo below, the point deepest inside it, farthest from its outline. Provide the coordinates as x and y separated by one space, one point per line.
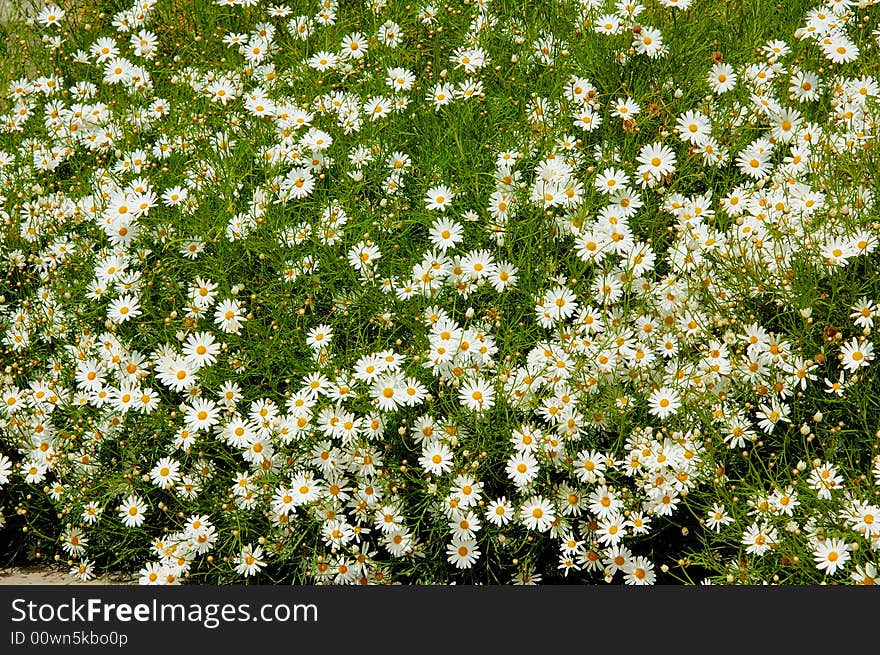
481 293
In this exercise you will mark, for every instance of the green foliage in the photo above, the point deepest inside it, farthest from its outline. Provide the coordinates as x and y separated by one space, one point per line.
747 440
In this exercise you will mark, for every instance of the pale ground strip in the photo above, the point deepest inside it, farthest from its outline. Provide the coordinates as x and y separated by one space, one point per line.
40 575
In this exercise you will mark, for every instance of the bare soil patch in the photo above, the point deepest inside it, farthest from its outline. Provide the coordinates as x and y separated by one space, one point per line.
44 575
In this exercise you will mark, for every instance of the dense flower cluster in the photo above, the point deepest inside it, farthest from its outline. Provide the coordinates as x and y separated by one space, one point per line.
283 306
